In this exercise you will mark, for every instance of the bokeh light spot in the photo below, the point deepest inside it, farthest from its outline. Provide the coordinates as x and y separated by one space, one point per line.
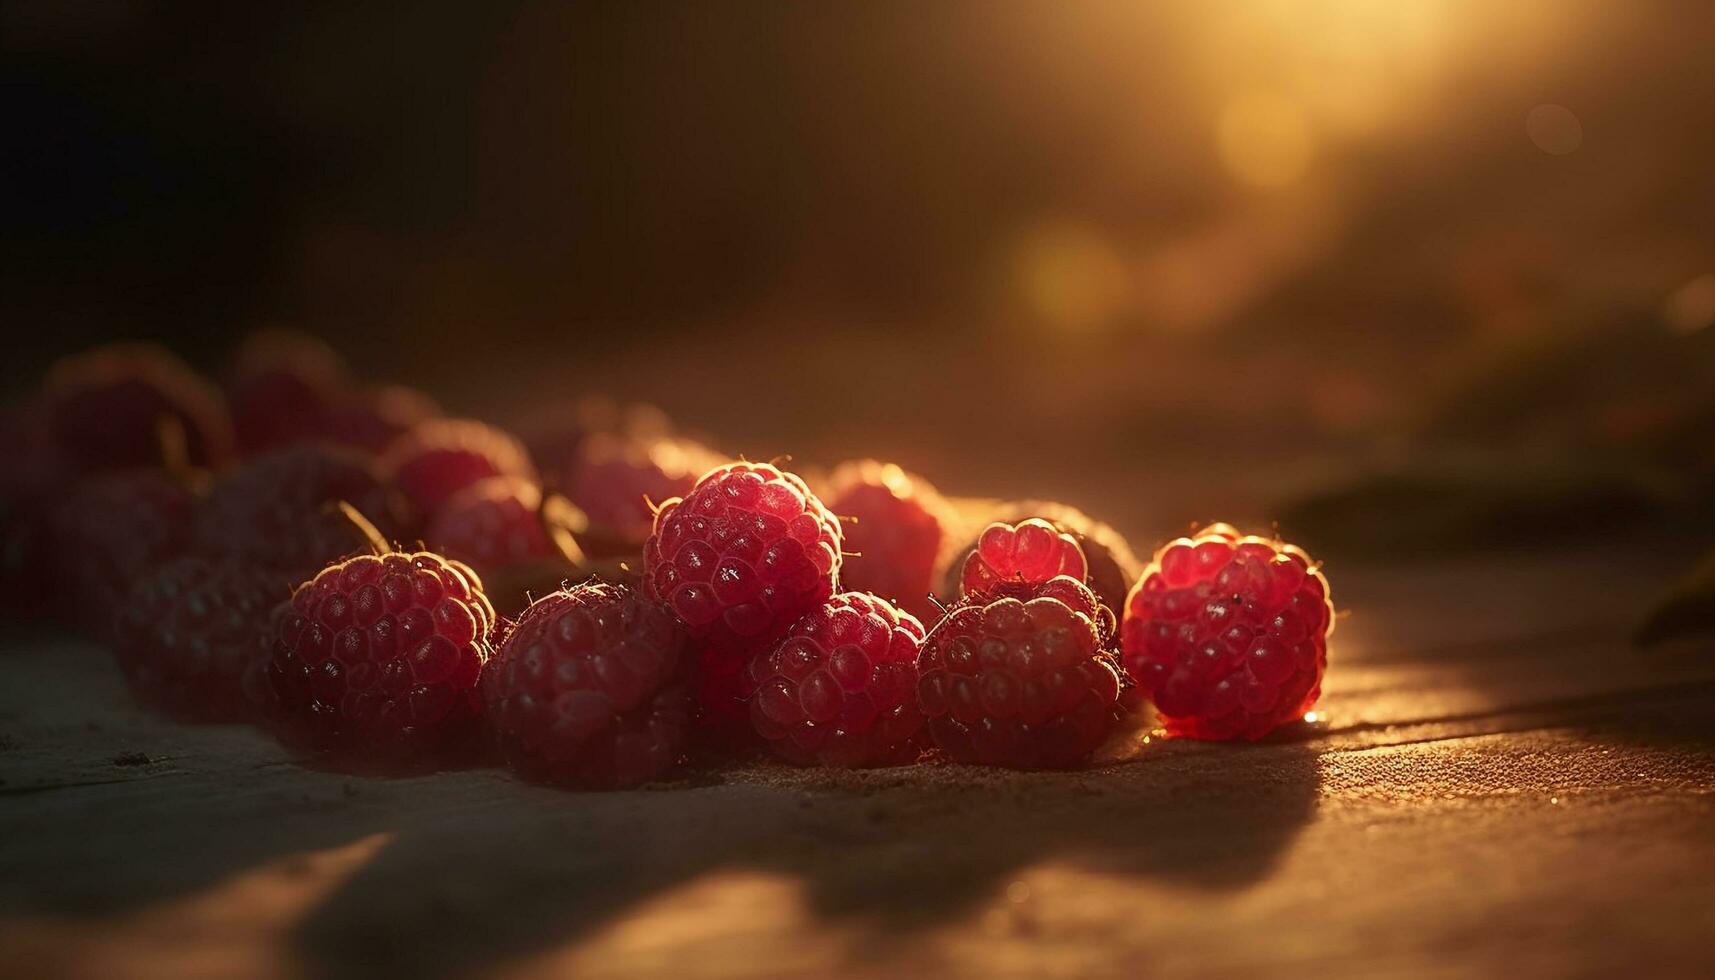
1071 276
1264 139
1554 129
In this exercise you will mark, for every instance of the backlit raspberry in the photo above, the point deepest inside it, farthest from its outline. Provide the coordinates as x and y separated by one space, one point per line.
276 511
439 458
379 657
492 524
840 689
743 555
1228 635
895 526
189 634
109 531
107 408
370 419
614 478
282 387
1030 552
591 688
1019 677
1111 568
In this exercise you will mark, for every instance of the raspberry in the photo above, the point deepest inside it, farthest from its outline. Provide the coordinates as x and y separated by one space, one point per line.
1018 677
592 688
189 635
282 387
1030 551
894 533
378 657
491 524
743 555
1111 567
1228 635
613 478
555 439
276 510
371 419
439 458
106 407
841 687
111 530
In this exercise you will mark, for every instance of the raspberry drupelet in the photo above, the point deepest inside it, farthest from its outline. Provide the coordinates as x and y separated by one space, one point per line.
1019 677
440 457
276 511
840 689
378 658
1031 552
191 634
743 555
895 527
1228 635
592 689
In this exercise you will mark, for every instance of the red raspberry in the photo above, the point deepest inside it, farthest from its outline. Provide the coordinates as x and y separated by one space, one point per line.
1228 635
1111 567
379 656
556 438
276 510
106 408
283 387
895 527
743 555
1031 552
371 419
613 479
841 687
439 458
492 524
1019 677
592 688
108 532
189 636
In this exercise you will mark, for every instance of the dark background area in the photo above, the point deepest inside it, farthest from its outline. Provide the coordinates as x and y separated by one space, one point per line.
1001 242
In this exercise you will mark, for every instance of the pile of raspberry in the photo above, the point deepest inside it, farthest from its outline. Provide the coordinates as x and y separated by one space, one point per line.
607 601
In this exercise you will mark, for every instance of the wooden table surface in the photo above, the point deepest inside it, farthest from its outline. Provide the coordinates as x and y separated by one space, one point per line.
1501 786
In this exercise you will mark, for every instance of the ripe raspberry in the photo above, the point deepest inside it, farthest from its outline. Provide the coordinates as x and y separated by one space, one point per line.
379 656
443 456
556 438
1019 677
1228 635
613 478
592 688
109 531
894 529
190 634
371 419
1111 567
275 511
492 524
841 687
282 387
1031 552
106 407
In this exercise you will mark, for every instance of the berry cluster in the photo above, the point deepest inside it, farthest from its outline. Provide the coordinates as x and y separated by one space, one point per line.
236 545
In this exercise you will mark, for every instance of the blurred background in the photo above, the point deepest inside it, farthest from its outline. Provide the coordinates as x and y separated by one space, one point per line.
1157 260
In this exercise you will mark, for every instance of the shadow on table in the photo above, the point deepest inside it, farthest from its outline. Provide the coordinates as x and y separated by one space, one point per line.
895 850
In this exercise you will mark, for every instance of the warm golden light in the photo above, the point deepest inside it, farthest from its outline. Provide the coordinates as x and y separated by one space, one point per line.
1264 139
1554 129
